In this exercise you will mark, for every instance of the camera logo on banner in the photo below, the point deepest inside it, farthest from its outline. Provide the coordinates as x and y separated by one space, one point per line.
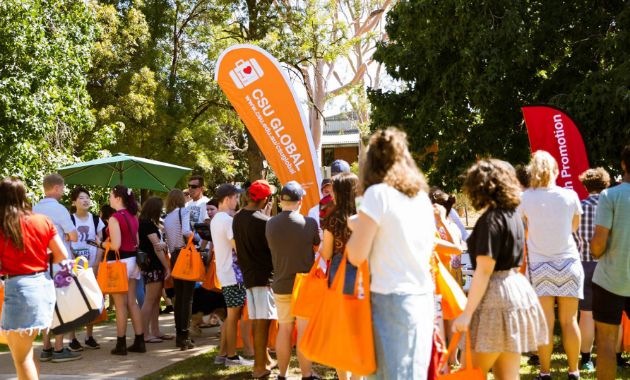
246 73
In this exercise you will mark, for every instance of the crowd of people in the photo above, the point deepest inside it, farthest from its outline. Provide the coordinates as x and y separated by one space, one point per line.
535 252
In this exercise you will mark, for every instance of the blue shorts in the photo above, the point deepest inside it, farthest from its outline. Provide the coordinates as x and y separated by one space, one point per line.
29 302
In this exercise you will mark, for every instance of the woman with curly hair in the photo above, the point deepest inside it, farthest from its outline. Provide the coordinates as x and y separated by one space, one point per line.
552 215
395 230
503 315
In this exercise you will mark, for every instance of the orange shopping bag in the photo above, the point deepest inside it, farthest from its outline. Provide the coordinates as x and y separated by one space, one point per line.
308 291
453 297
467 373
112 275
189 265
339 334
211 281
625 330
3 339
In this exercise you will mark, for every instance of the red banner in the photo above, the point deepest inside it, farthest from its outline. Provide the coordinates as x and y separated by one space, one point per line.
552 130
262 95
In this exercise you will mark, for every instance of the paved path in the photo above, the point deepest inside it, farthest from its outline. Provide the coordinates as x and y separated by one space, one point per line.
100 364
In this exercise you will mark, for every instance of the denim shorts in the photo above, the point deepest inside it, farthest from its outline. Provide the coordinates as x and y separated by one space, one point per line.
349 279
403 335
29 302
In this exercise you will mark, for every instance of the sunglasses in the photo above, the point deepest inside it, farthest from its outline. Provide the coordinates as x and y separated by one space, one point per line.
186 194
193 186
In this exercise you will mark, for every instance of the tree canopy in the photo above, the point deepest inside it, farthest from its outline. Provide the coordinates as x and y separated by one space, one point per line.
465 69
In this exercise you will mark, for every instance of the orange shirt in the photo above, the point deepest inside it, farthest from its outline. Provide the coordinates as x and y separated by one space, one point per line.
37 232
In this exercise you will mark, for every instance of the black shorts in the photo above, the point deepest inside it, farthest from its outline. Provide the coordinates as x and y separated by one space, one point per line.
586 304
608 307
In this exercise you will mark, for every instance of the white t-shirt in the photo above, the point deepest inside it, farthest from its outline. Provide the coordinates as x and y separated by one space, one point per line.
198 211
60 217
549 212
402 247
86 231
222 236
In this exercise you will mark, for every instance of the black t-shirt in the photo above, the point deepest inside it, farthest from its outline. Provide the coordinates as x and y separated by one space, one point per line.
252 250
500 234
146 228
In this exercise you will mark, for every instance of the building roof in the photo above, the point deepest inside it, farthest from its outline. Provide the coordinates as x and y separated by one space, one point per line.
341 129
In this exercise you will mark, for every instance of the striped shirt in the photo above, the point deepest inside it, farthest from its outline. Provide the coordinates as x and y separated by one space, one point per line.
586 228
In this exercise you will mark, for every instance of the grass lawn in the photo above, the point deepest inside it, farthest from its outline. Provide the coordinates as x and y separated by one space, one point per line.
203 367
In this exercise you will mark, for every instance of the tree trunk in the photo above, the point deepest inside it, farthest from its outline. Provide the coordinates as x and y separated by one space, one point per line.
254 159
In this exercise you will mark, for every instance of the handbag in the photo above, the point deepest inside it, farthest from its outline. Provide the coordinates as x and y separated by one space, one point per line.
437 353
188 265
453 296
79 298
112 275
142 257
211 281
466 373
308 291
339 334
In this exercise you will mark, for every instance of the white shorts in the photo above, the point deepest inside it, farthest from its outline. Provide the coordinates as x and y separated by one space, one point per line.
261 303
133 270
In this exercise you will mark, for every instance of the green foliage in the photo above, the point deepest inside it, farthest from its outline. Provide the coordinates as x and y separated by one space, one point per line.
44 105
466 68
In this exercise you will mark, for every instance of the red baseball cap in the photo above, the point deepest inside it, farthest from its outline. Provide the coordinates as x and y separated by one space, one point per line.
260 190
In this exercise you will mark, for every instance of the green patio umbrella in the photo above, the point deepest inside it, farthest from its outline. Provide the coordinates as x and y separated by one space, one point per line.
133 172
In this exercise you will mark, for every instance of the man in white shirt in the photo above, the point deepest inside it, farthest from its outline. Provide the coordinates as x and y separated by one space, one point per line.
54 187
228 272
197 203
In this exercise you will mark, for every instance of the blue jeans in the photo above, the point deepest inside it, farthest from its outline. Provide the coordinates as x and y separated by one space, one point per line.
29 302
403 335
140 291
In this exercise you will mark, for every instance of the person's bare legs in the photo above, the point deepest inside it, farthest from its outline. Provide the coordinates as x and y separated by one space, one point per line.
587 331
567 316
223 342
134 309
261 355
246 334
283 347
606 337
544 352
231 324
21 347
484 361
151 299
507 366
306 366
120 302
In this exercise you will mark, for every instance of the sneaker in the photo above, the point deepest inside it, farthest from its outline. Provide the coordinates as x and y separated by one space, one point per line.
220 359
46 355
92 343
238 362
588 366
65 356
623 364
75 346
573 377
542 377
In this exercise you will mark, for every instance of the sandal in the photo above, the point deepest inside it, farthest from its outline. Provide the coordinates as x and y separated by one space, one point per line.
263 376
166 337
153 339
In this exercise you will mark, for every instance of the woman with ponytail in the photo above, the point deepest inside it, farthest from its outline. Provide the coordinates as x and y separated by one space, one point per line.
123 233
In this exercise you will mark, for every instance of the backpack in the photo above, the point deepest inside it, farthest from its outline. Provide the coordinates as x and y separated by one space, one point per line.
95 220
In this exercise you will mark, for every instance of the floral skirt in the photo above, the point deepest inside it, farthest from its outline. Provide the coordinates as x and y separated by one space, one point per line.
509 317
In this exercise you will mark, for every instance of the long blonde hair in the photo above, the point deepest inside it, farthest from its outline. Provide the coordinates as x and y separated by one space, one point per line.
543 170
388 161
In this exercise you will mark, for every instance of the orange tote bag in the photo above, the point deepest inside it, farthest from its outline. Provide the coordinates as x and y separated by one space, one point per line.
308 291
189 265
211 281
453 296
339 334
3 339
466 373
112 275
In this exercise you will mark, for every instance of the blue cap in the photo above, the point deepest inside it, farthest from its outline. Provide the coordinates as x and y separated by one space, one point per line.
292 192
339 166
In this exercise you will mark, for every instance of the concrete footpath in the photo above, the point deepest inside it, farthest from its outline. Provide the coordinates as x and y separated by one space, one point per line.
100 364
